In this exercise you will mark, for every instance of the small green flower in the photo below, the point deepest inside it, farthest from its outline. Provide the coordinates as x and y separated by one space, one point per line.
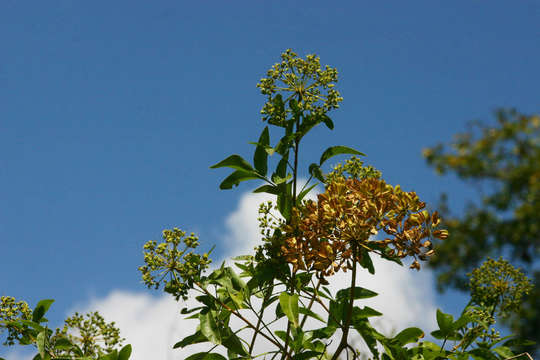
10 309
95 336
352 169
302 84
176 269
499 286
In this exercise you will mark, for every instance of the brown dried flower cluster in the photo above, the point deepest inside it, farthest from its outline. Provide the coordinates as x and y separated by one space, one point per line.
332 233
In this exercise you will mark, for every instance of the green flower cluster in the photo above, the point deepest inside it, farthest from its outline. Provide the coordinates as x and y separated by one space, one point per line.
268 222
484 331
96 336
355 169
499 286
176 269
311 88
10 309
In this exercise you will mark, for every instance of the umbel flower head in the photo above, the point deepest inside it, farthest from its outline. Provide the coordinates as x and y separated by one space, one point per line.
96 336
10 309
173 263
499 286
302 84
333 232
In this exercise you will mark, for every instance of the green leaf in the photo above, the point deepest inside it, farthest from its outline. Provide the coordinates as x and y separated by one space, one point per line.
207 300
303 193
196 338
461 322
234 161
237 282
519 342
324 333
260 158
337 150
359 293
238 298
281 334
306 126
484 354
328 122
269 189
302 280
281 169
366 262
306 355
284 200
243 257
282 147
186 310
363 313
233 343
237 177
504 351
279 312
409 335
315 171
337 313
40 343
279 180
29 323
206 356
77 351
111 356
369 334
209 327
125 353
289 305
228 278
438 334
63 343
327 292
278 103
293 104
445 322
41 308
307 312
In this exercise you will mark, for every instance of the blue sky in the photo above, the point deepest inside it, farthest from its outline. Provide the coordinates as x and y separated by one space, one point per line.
111 114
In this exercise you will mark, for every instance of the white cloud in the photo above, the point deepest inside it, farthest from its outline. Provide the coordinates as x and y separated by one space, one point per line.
153 324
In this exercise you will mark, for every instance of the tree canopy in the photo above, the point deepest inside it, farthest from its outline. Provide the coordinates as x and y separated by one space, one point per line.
503 160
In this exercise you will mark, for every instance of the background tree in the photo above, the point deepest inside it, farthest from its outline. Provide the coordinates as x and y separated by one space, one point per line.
504 160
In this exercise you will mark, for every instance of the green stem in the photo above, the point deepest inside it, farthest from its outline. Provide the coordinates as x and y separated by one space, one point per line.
237 314
295 174
444 343
306 184
259 321
522 354
343 343
311 301
286 352
296 147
